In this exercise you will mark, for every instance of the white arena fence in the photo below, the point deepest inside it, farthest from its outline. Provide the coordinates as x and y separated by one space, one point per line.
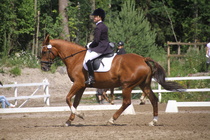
172 105
160 90
43 85
46 97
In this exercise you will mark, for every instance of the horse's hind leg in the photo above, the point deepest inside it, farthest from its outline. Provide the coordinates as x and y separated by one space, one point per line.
126 102
154 101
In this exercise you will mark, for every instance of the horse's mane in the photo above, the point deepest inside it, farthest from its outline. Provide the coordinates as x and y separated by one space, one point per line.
67 43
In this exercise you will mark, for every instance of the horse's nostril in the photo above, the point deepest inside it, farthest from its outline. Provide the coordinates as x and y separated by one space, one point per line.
44 69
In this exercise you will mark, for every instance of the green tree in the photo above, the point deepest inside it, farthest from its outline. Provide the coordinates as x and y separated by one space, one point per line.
195 18
17 25
7 26
131 27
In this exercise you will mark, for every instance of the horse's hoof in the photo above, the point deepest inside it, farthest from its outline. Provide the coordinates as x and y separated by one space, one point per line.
110 121
142 103
68 123
153 123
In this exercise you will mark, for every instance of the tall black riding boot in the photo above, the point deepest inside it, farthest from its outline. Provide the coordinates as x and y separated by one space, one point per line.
90 73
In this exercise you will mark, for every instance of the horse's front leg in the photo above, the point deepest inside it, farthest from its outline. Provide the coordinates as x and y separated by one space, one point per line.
126 102
143 99
111 95
105 95
78 92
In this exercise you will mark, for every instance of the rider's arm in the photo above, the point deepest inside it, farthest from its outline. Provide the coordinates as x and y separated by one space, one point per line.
97 35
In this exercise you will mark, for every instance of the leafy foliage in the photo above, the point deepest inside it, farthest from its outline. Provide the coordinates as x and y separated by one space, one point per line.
21 59
131 27
52 29
16 71
193 62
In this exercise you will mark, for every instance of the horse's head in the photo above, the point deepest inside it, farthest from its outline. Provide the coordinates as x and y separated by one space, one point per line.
48 54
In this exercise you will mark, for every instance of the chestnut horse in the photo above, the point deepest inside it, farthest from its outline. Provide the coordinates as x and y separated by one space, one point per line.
112 97
127 71
104 95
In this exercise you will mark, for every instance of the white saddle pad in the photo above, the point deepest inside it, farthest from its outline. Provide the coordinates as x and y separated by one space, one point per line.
106 66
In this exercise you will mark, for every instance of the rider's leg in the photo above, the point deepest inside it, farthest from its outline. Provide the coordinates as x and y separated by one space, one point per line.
90 55
90 73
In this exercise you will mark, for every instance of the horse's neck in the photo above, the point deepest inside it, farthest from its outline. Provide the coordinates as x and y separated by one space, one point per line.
66 49
69 52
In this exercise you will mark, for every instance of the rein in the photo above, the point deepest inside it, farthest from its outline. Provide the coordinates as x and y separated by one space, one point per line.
51 61
73 54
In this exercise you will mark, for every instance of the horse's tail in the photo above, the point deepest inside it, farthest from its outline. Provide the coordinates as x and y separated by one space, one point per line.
160 75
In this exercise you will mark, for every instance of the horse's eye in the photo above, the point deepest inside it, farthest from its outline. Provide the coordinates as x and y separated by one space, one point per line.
44 53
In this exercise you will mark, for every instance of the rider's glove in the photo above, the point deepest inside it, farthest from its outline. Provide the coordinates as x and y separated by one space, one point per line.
88 45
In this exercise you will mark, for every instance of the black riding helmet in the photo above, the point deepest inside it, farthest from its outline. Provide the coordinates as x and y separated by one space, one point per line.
120 43
99 12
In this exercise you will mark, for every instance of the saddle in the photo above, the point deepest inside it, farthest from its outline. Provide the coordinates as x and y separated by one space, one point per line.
97 61
102 63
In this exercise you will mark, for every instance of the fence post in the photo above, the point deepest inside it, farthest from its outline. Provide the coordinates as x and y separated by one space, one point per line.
15 94
46 92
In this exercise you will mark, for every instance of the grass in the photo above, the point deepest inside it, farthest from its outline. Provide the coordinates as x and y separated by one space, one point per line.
16 71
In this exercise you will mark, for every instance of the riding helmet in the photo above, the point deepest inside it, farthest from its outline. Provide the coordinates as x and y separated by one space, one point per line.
99 12
120 43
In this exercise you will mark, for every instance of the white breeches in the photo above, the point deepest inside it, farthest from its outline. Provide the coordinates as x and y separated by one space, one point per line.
90 55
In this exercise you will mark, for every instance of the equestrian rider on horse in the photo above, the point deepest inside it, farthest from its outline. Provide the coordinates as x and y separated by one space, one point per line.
100 44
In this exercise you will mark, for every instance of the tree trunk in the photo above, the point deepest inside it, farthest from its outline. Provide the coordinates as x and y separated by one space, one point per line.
37 34
34 36
92 24
62 10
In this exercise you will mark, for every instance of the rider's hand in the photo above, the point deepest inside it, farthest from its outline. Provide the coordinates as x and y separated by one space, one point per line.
88 45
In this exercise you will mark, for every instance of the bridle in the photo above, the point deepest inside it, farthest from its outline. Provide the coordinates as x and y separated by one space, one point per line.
49 50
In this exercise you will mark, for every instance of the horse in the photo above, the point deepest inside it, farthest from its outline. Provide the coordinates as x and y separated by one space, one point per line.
111 97
127 71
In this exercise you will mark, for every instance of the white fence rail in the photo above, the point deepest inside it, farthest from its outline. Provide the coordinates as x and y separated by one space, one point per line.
44 85
160 90
46 95
172 105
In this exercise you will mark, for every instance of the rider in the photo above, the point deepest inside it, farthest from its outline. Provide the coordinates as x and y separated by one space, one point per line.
120 50
100 44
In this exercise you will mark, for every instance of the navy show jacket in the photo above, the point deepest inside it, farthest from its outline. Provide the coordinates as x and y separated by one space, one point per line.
100 43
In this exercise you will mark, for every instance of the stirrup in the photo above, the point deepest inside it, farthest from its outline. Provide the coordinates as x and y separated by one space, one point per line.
90 81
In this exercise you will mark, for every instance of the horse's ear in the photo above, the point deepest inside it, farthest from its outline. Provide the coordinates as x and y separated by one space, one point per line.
47 40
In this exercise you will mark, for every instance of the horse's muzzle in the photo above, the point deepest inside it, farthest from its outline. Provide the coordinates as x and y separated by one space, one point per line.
45 66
